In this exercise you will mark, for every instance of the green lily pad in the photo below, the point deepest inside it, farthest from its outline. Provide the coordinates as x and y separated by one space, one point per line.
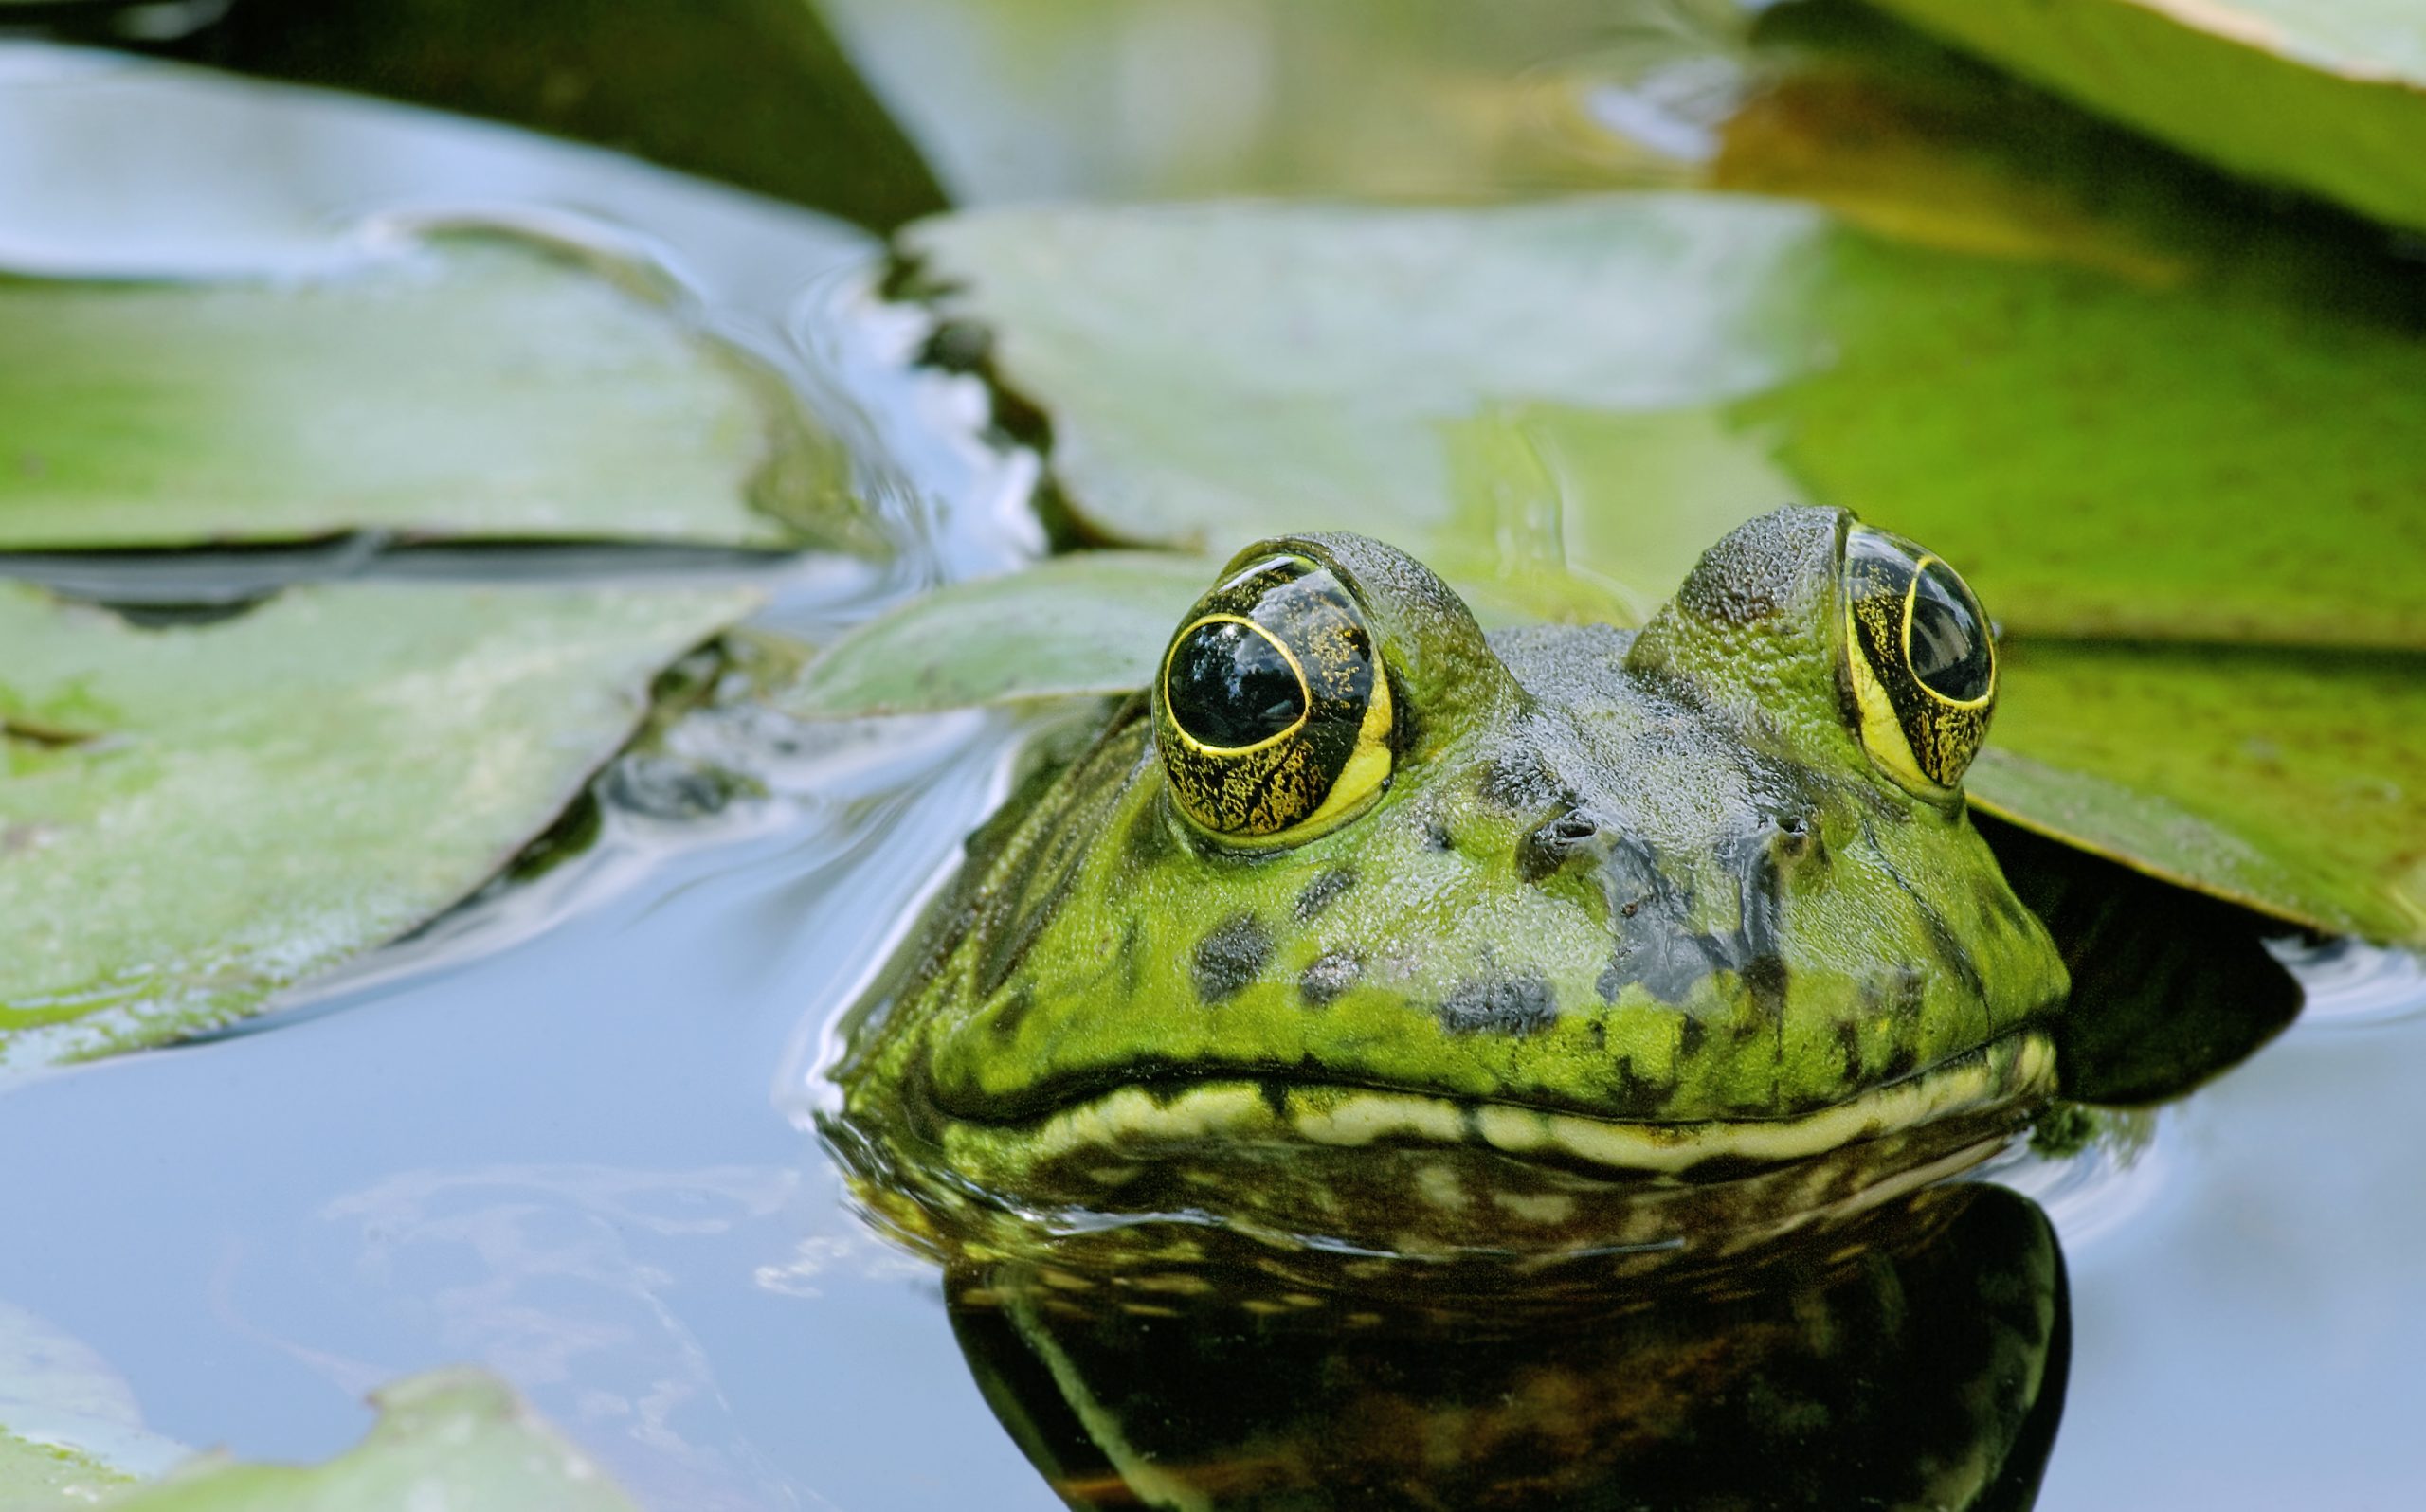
35 1477
469 388
1605 386
192 819
2293 782
456 1439
1091 624
69 1427
2326 95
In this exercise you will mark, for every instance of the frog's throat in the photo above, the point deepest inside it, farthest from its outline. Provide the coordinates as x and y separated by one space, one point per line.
1139 1121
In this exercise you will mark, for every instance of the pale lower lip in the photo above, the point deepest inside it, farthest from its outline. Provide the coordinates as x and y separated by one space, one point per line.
1132 1119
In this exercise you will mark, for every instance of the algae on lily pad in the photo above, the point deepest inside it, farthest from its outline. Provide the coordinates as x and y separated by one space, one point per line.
453 1439
193 818
464 387
2327 96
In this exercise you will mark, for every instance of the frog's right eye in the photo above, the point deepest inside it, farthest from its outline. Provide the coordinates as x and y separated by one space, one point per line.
1922 660
1272 710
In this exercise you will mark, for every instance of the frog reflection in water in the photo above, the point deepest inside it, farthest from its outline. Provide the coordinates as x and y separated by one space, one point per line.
1366 930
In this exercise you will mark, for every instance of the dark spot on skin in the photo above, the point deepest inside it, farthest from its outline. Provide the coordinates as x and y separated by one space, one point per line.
1330 974
1911 992
1320 892
1517 780
1643 1095
1900 1063
1229 957
1848 1044
1148 841
1129 938
1500 1005
1690 1036
1762 899
1014 1012
1436 835
1275 1095
1765 978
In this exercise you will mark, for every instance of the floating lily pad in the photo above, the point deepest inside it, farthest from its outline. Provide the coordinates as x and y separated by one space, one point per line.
467 387
1608 385
70 1428
35 1477
2294 783
453 1439
1075 625
192 819
2327 96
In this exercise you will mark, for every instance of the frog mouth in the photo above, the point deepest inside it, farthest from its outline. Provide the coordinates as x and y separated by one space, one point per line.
1209 1110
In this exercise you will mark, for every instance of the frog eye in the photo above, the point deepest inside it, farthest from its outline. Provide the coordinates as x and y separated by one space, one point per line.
1273 711
1922 660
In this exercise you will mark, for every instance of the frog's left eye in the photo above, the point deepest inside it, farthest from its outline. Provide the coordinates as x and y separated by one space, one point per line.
1272 710
1922 660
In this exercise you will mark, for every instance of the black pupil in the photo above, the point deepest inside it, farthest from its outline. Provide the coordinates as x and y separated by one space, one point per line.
1231 686
1949 636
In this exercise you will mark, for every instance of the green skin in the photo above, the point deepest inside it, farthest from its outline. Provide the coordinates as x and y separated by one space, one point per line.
1638 936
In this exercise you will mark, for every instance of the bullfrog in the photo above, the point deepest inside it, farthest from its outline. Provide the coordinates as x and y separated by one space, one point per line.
1362 928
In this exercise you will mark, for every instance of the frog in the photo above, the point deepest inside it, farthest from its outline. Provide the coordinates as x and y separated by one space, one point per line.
1362 928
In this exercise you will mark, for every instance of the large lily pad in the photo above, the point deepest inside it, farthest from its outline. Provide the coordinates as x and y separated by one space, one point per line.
472 386
1607 385
2327 96
459 1440
1559 405
193 818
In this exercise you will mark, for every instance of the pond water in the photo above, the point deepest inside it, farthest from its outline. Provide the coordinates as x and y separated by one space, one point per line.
563 1133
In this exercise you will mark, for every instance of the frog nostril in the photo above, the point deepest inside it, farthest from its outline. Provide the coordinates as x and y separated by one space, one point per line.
1551 844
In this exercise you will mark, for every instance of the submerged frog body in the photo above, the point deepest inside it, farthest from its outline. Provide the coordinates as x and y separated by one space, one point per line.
1362 928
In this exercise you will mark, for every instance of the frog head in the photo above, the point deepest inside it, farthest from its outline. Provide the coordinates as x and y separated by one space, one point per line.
1362 924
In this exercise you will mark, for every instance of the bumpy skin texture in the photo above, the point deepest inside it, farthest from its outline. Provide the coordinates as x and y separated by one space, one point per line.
1653 883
